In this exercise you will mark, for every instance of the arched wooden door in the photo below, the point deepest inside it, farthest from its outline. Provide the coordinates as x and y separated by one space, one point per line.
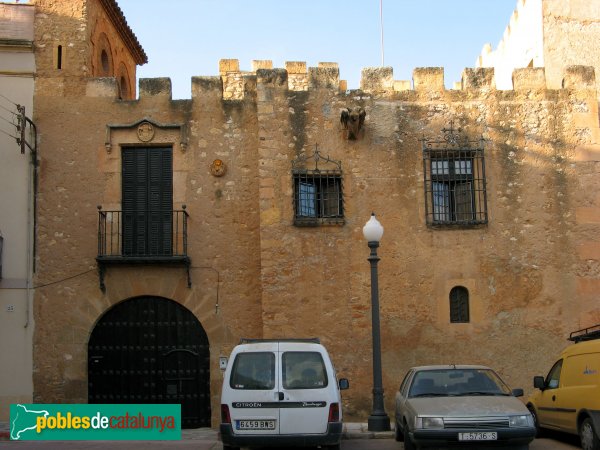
151 350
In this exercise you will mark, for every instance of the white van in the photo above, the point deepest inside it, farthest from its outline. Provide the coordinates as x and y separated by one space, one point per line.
281 392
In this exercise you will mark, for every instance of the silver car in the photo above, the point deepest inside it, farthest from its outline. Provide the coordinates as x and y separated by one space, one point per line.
460 405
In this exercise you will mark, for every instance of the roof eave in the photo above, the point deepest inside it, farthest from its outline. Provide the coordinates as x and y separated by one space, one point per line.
117 17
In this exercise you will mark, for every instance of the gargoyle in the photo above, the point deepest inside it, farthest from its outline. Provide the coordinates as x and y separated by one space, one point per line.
353 119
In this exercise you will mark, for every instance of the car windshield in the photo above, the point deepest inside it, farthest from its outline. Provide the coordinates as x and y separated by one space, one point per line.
457 382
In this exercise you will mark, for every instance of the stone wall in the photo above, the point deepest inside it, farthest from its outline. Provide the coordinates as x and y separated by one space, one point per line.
531 272
223 225
569 28
70 37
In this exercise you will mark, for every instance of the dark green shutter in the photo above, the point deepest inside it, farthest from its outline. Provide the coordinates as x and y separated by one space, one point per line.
147 201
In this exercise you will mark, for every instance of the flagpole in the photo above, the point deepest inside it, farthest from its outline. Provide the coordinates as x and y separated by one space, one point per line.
381 21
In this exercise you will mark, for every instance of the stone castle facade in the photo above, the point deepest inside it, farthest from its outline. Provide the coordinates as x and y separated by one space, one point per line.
267 251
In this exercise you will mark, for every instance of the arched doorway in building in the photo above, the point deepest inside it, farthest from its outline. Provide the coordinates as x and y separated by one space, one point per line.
151 350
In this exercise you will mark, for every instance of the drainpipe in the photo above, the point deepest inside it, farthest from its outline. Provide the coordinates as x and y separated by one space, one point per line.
31 223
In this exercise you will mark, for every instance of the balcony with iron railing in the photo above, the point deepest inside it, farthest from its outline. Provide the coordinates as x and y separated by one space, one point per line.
142 237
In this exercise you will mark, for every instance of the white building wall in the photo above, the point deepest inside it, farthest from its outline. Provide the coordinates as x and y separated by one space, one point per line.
16 215
522 44
553 34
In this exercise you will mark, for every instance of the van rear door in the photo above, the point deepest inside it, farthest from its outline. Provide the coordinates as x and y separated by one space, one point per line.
254 381
306 388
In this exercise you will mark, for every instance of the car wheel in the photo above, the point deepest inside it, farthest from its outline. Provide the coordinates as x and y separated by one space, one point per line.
334 447
588 436
408 443
229 447
539 431
398 434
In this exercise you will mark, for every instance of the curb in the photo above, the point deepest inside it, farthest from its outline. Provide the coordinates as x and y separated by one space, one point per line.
369 435
361 431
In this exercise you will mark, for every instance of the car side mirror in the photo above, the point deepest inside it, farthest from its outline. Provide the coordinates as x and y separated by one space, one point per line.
539 383
343 383
517 392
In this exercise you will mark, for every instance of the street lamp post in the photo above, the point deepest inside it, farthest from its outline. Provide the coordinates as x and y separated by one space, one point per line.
378 420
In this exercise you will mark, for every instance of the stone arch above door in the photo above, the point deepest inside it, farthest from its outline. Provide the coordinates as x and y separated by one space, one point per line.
150 349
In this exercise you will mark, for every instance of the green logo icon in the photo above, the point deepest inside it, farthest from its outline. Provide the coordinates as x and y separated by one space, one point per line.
40 422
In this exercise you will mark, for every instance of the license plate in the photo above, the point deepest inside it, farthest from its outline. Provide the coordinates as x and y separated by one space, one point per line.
482 436
255 425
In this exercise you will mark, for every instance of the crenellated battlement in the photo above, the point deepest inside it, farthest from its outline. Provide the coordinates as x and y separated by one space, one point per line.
233 84
299 77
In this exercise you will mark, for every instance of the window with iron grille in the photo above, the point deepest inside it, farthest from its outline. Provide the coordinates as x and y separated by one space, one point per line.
459 305
455 187
318 195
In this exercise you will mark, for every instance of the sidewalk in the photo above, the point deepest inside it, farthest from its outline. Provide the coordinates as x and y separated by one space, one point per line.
351 431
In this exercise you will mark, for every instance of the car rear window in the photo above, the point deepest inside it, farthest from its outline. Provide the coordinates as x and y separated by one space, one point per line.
253 371
303 370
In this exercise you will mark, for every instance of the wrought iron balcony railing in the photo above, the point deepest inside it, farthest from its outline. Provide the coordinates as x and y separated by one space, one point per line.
142 237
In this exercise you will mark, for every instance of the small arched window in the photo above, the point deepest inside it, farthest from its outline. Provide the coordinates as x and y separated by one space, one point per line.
123 89
103 59
459 305
105 62
59 57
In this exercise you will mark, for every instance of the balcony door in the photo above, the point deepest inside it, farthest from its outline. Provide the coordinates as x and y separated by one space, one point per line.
147 187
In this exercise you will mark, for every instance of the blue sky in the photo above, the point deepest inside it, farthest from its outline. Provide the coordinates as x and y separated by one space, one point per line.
185 38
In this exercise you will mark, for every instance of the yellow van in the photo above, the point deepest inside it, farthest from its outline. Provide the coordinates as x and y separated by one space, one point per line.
568 399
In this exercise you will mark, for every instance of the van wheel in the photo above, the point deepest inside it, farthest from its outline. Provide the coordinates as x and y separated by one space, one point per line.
588 436
229 447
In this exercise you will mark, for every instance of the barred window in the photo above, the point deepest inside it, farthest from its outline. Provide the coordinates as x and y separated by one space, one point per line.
318 197
459 305
455 186
318 193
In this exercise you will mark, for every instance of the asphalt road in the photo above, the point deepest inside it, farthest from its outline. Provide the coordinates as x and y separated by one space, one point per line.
554 443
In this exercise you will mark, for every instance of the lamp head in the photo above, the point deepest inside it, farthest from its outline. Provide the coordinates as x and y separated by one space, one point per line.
373 231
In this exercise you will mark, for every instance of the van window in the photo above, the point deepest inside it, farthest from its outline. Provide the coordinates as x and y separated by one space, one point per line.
303 370
253 371
553 378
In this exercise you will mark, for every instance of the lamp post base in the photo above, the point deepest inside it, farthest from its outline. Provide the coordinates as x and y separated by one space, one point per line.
379 423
